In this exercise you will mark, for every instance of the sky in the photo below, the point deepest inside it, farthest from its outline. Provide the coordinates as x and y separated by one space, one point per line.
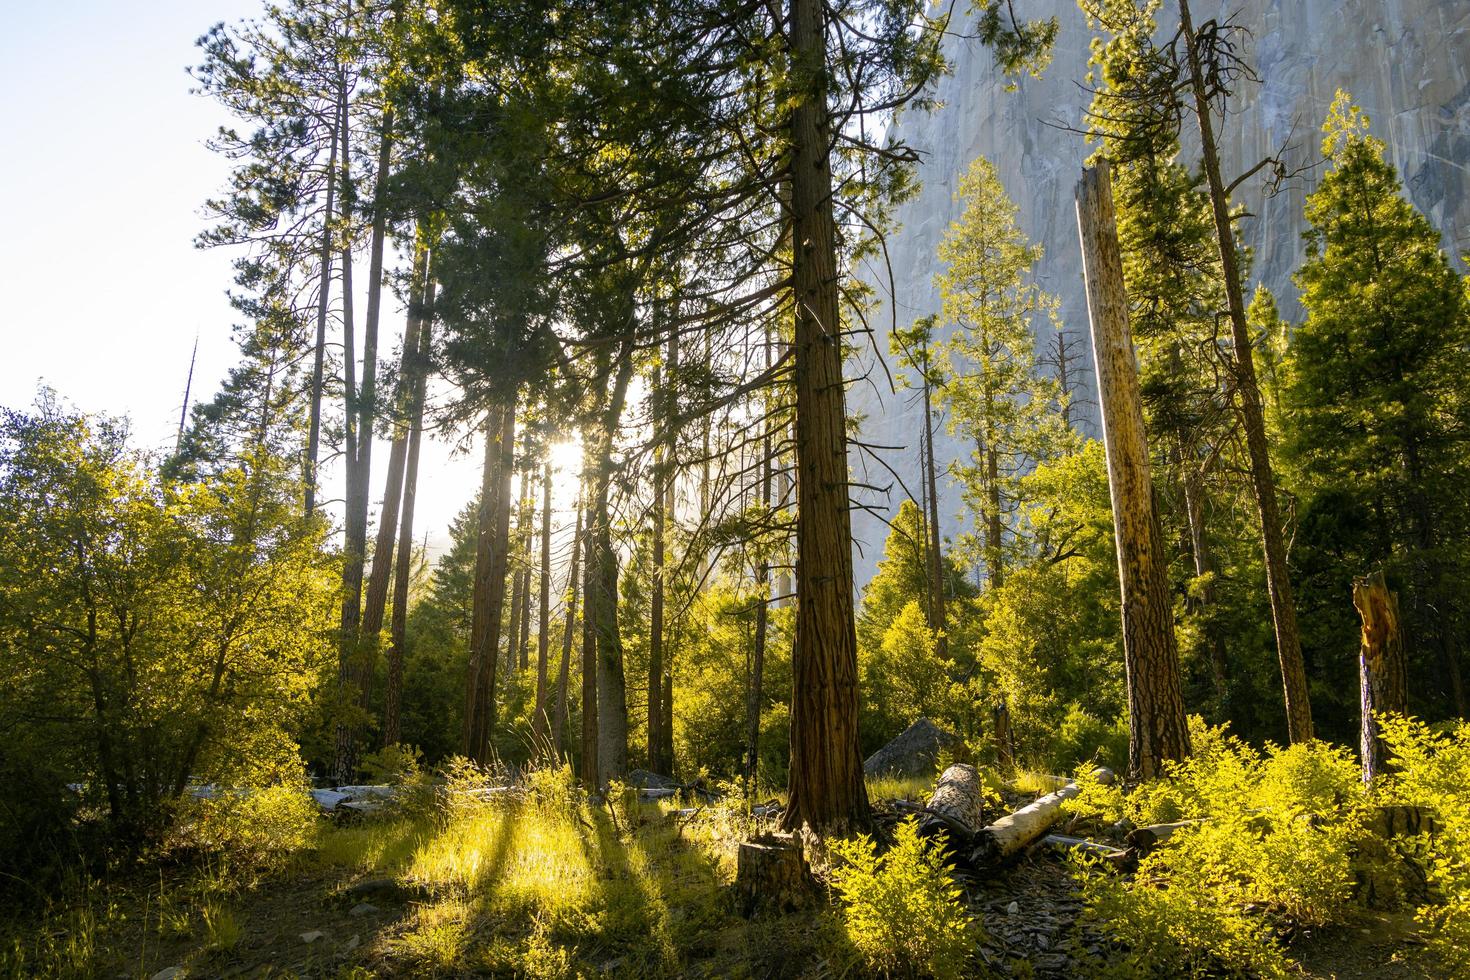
103 174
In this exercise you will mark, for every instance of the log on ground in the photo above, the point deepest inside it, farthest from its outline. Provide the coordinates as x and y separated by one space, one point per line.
954 811
1013 832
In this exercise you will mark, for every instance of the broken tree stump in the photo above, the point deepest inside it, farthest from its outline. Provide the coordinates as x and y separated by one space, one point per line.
1381 671
771 873
1145 839
1013 832
954 811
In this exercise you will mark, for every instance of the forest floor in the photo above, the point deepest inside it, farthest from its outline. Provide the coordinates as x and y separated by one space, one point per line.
530 891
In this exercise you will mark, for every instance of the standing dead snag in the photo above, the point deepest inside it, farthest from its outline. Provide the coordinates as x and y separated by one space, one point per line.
1157 728
1381 669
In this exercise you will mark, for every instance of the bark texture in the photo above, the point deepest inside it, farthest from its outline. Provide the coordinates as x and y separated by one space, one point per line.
1157 728
826 789
1381 668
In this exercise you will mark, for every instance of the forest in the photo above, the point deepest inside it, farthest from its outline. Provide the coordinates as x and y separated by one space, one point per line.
1183 697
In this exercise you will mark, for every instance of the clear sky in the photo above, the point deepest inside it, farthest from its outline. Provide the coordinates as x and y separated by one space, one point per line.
103 173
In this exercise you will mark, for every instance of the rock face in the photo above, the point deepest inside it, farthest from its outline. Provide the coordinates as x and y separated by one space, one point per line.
1406 62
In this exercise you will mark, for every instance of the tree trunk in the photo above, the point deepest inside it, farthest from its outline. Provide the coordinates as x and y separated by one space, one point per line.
826 789
666 678
762 616
513 631
661 460
488 603
994 529
397 649
1248 391
587 764
602 599
1157 727
1000 737
324 295
543 621
420 303
354 672
937 616
1008 835
1381 669
559 718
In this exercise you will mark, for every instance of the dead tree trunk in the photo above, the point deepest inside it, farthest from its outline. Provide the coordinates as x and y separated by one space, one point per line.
1157 727
762 617
1000 737
587 764
1008 835
662 459
826 789
1252 414
1381 669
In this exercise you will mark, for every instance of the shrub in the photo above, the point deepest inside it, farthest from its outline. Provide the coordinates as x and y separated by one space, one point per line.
901 910
1278 834
258 828
1431 772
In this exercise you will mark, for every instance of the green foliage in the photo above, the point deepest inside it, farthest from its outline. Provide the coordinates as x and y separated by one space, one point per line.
1430 771
248 829
900 909
1378 405
998 400
1278 832
154 633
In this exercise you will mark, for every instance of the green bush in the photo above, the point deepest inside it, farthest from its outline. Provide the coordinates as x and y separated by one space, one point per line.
1279 832
901 909
257 828
1431 772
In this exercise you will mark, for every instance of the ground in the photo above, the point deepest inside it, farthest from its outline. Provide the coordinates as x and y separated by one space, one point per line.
532 889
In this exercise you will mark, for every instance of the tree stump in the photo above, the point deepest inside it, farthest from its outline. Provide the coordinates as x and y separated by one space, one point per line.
953 814
1381 671
771 873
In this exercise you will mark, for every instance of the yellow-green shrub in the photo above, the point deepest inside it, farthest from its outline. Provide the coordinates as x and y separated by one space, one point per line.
1431 771
257 828
901 910
1279 829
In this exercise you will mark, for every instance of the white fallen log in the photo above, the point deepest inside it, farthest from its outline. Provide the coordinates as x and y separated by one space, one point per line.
1013 832
953 813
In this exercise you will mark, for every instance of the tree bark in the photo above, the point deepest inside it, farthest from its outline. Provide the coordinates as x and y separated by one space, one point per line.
543 623
955 808
587 764
559 718
661 460
488 602
826 789
602 598
1381 668
318 369
1248 391
937 615
398 645
420 304
1157 728
762 616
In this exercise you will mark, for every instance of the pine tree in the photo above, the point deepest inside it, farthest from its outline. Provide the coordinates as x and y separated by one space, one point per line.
1380 413
998 399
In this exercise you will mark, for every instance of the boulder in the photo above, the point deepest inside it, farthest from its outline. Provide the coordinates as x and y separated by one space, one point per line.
913 753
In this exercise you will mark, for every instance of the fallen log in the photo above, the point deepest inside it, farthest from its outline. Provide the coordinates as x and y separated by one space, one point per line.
953 813
1145 839
1013 832
1123 860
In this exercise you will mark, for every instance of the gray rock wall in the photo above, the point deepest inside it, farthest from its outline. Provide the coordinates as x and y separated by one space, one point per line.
1406 62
